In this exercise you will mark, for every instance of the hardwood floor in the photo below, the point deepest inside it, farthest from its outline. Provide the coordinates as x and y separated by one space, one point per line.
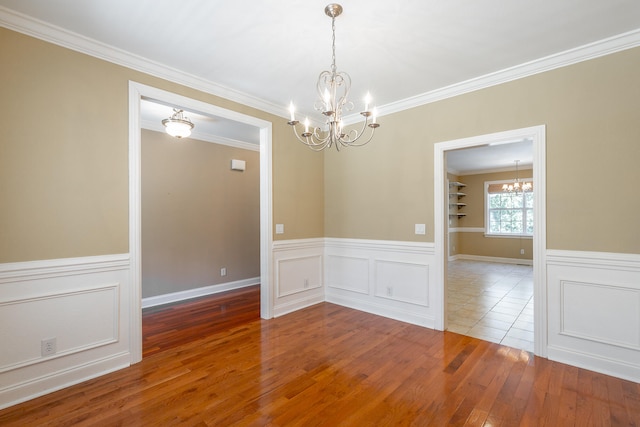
328 365
166 327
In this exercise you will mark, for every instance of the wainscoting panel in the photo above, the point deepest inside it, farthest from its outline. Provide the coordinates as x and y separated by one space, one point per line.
348 273
388 278
402 281
594 311
298 274
82 303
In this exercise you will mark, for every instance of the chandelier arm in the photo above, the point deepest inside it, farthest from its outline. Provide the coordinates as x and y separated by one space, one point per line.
353 135
357 142
312 139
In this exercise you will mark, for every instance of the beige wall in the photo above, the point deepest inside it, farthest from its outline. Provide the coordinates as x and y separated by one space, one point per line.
64 155
591 113
475 194
475 243
197 214
64 164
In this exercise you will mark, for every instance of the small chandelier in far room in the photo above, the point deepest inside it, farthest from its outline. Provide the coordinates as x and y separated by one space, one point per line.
517 185
333 89
178 125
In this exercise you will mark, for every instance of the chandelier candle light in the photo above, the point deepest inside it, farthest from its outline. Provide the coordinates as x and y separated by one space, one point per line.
517 186
333 88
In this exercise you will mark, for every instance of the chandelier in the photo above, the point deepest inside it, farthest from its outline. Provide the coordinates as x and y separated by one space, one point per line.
517 185
178 125
333 88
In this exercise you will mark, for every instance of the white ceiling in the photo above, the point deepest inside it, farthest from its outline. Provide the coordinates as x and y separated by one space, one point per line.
272 51
491 158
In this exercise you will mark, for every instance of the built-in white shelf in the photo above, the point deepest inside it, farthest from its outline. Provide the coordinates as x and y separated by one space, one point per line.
454 191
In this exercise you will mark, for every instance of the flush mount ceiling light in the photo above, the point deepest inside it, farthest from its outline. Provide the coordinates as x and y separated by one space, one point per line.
178 125
517 185
333 88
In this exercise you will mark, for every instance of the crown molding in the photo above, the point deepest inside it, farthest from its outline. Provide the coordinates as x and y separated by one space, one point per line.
53 34
586 52
59 36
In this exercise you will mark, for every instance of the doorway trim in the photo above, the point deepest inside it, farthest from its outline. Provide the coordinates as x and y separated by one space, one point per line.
538 135
136 92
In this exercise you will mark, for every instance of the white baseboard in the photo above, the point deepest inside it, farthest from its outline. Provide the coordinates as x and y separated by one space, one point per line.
48 383
493 259
197 292
596 363
297 304
395 313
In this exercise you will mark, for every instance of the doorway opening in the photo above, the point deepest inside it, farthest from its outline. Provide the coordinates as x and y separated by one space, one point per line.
441 202
489 274
137 92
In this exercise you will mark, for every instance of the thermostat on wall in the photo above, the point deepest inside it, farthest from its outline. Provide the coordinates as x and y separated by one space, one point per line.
237 165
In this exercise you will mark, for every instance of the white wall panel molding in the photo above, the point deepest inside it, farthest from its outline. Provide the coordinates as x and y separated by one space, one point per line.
594 311
298 274
380 245
402 281
349 273
602 260
289 245
82 303
98 305
581 314
198 292
30 270
388 278
298 268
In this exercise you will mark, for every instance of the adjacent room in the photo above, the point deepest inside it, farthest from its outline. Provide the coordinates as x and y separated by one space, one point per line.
490 240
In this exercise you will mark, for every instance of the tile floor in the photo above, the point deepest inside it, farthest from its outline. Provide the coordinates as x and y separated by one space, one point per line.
491 301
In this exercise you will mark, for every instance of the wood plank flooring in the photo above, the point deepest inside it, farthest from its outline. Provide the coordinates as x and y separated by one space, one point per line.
328 365
166 327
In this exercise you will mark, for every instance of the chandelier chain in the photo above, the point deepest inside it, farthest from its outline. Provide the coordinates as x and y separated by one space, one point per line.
333 46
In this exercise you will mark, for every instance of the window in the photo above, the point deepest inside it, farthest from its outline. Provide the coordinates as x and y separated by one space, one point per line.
508 213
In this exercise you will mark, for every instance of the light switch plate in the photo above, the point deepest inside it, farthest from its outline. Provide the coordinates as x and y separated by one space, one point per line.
421 229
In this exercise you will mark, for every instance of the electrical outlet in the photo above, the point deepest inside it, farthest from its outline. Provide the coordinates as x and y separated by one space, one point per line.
223 271
48 346
521 251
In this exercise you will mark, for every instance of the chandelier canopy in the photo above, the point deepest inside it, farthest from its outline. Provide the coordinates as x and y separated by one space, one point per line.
178 125
517 186
333 89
